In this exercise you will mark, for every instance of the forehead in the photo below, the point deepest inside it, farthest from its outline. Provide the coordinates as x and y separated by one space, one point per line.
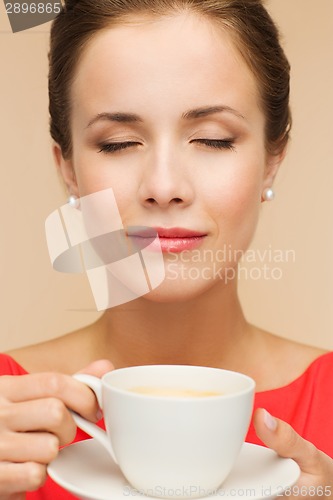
164 65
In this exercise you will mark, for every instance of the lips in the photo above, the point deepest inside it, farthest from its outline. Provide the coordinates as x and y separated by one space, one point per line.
178 232
175 239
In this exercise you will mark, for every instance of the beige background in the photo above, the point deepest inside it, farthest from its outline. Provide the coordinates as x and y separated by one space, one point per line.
38 303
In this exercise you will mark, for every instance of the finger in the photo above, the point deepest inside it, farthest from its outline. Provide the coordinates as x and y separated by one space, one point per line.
50 415
14 496
98 368
282 438
22 447
72 393
17 478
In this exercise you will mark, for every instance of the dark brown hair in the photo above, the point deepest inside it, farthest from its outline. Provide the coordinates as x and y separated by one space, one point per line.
248 22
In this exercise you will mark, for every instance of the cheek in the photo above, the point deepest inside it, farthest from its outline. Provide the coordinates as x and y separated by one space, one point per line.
93 178
234 202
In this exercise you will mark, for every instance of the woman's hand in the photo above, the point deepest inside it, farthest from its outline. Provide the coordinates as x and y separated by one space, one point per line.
316 479
35 421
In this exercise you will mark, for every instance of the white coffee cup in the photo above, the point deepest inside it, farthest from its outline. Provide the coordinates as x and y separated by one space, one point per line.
170 444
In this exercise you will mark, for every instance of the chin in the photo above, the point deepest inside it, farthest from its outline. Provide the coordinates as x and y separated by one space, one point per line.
179 290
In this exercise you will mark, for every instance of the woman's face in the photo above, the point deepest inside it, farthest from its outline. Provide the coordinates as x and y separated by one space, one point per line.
166 113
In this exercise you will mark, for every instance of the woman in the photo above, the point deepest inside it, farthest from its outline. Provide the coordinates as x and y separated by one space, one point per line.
182 109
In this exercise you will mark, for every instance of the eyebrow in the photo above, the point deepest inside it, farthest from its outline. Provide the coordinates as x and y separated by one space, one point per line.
210 110
188 115
116 117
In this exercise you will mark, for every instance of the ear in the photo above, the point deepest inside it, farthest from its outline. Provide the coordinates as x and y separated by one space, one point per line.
273 162
66 170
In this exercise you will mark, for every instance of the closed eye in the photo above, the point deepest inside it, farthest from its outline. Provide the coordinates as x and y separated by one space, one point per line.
217 143
113 147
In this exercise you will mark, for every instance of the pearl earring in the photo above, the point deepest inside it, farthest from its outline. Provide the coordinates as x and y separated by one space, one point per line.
73 201
268 194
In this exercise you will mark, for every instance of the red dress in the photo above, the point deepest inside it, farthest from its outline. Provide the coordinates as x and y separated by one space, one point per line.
306 403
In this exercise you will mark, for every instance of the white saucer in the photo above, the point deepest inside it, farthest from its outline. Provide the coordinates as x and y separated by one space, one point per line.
87 471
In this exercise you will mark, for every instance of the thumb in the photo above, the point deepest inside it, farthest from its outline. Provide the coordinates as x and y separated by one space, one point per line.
282 438
98 368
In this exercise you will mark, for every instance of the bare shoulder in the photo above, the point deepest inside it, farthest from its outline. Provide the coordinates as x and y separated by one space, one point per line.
66 354
286 360
293 348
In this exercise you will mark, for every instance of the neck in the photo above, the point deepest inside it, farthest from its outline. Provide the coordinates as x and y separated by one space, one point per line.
209 330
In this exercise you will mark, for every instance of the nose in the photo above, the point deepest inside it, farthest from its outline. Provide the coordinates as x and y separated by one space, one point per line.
165 181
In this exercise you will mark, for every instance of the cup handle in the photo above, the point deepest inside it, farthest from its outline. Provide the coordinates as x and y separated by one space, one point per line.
95 384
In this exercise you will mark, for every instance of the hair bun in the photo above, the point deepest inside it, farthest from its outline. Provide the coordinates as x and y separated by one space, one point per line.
68 4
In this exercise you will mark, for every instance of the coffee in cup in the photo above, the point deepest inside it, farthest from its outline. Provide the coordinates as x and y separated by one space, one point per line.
179 435
176 392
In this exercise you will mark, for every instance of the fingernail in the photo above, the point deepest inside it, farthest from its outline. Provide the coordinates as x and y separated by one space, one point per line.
99 414
270 421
